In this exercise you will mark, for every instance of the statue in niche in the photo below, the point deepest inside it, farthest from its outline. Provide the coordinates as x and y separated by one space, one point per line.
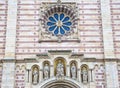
73 71
60 69
35 75
84 75
46 71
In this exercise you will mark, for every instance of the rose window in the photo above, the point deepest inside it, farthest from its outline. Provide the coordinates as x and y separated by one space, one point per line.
59 24
59 20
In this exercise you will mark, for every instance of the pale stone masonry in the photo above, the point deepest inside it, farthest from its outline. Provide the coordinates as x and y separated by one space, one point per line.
93 44
9 58
108 45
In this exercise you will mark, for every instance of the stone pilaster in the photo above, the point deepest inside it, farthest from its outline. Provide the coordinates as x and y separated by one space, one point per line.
11 30
8 75
111 67
107 29
8 62
111 74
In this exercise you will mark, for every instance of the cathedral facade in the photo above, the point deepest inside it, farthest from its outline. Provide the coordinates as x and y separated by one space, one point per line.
59 43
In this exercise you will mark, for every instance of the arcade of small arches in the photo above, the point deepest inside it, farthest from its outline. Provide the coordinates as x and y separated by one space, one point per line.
60 71
55 68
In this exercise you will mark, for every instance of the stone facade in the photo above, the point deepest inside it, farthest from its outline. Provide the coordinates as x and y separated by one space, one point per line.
93 45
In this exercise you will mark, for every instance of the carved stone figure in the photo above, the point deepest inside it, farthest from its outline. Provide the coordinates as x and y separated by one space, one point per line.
60 69
84 75
73 71
35 76
46 71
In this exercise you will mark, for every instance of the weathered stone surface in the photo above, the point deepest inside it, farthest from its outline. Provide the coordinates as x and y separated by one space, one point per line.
97 29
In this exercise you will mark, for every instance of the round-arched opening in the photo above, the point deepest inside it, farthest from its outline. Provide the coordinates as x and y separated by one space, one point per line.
56 63
35 74
84 73
46 69
60 84
73 69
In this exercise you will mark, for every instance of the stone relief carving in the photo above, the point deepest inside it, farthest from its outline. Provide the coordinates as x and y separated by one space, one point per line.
84 74
46 71
60 72
35 75
73 71
60 69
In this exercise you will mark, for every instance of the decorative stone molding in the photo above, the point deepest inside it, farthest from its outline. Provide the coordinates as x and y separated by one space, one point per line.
62 52
75 84
43 56
8 60
48 9
32 60
77 56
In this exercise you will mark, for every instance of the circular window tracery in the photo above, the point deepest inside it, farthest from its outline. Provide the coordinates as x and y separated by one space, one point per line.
59 24
59 20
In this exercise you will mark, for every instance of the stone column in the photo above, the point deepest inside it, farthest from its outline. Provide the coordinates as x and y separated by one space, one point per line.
8 76
92 84
28 83
28 75
91 75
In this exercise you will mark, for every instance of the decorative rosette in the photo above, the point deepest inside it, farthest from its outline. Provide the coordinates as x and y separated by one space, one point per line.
59 24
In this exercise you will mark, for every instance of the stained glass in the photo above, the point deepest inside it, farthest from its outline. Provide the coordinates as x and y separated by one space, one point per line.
59 24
